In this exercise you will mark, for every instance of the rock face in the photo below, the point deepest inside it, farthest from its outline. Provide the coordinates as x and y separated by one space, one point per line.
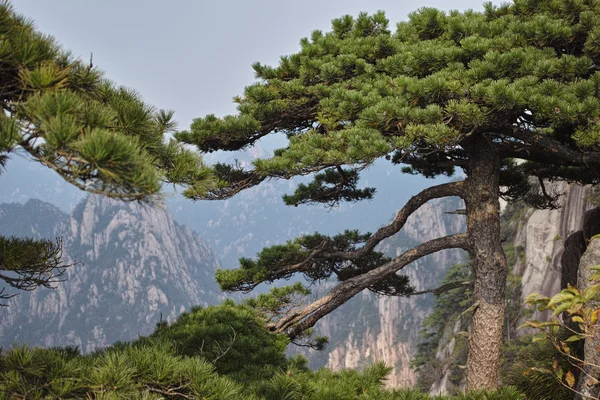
543 239
137 266
372 328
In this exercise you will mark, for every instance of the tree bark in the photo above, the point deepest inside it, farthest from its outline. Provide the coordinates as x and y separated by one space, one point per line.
489 263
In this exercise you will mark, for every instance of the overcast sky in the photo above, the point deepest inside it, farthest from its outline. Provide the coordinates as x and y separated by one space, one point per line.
194 56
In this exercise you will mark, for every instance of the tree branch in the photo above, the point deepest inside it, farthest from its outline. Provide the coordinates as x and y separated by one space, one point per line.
412 205
444 288
326 252
540 148
299 321
26 264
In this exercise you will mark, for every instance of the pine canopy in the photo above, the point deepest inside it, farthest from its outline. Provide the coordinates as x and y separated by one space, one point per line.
63 113
524 74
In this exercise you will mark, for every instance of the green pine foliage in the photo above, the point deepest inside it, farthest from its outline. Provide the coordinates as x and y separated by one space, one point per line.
144 371
271 262
66 115
190 359
330 187
230 336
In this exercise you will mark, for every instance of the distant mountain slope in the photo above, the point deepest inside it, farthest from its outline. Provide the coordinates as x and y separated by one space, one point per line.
24 180
138 265
257 217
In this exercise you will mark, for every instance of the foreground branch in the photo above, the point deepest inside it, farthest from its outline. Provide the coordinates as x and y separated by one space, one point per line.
26 264
296 323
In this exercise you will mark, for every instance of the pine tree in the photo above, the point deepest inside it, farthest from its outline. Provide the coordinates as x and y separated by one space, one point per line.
230 336
99 137
468 90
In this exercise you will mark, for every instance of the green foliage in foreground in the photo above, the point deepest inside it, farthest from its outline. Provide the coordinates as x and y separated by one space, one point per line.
147 371
152 370
191 359
527 365
230 336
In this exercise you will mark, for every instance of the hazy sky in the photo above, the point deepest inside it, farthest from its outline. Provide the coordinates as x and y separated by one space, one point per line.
194 56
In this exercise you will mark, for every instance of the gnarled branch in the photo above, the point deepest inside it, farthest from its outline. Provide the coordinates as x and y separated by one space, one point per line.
303 319
327 252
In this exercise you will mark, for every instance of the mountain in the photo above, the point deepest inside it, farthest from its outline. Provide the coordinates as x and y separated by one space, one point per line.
24 180
136 267
257 217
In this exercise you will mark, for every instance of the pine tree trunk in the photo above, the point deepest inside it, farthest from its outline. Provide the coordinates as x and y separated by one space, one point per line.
489 263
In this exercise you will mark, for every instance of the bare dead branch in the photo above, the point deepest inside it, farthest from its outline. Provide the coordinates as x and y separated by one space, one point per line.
171 392
223 352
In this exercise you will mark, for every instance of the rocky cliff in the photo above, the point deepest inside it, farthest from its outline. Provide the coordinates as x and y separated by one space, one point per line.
136 266
543 234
